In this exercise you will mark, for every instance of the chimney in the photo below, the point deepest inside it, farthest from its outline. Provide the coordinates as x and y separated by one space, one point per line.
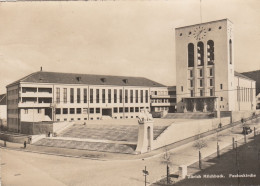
78 78
125 81
41 68
103 80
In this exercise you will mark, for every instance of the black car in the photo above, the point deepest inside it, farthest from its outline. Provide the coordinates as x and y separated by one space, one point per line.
246 130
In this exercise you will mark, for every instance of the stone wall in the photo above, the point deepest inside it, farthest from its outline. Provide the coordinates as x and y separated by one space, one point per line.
36 128
183 130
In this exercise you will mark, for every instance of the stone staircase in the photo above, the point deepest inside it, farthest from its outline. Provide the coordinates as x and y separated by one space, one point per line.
107 132
189 115
85 145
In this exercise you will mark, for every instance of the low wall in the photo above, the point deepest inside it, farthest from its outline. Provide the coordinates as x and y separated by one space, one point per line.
36 128
238 115
182 130
60 126
13 138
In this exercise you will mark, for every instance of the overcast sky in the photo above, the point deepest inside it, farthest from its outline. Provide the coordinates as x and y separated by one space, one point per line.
131 38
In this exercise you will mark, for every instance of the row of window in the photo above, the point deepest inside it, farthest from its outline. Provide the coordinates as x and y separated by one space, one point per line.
201 83
103 96
96 110
97 118
200 72
200 53
202 93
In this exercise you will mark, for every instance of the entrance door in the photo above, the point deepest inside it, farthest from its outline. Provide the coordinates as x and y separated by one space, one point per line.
107 112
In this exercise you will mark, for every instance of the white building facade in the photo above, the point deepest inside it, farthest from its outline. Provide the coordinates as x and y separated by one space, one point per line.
206 77
50 96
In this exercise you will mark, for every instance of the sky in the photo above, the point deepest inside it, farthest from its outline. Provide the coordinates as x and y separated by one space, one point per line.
125 38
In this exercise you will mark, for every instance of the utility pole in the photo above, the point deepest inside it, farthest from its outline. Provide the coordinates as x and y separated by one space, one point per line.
146 173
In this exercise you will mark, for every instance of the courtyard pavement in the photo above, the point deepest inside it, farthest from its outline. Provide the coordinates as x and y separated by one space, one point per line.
96 168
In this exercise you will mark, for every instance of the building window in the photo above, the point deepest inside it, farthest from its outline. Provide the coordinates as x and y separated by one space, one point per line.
136 109
136 96
121 110
65 95
191 83
91 110
121 96
221 86
230 51
142 96
109 95
103 96
85 95
78 110
201 82
91 95
131 96
57 111
210 72
97 110
126 96
191 73
39 111
210 50
57 95
211 92
146 96
126 109
71 95
221 98
182 88
72 110
201 92
65 110
78 95
115 95
97 95
191 93
201 72
190 55
210 82
85 110
131 109
200 53
115 110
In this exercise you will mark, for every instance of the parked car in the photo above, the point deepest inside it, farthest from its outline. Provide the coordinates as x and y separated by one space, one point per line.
246 130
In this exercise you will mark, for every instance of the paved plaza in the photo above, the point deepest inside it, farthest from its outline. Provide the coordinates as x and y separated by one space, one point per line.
21 168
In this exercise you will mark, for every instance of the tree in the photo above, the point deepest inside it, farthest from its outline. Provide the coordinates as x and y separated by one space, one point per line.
199 144
166 159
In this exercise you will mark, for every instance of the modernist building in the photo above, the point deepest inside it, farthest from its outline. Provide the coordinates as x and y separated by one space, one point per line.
255 75
206 77
51 96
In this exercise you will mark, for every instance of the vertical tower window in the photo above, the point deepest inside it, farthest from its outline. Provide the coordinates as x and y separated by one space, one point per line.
57 95
190 55
65 95
131 96
109 95
200 49
201 92
191 93
71 95
121 95
103 96
78 95
136 96
126 96
210 52
201 83
85 95
97 95
230 51
91 95
191 83
115 95
146 96
142 96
